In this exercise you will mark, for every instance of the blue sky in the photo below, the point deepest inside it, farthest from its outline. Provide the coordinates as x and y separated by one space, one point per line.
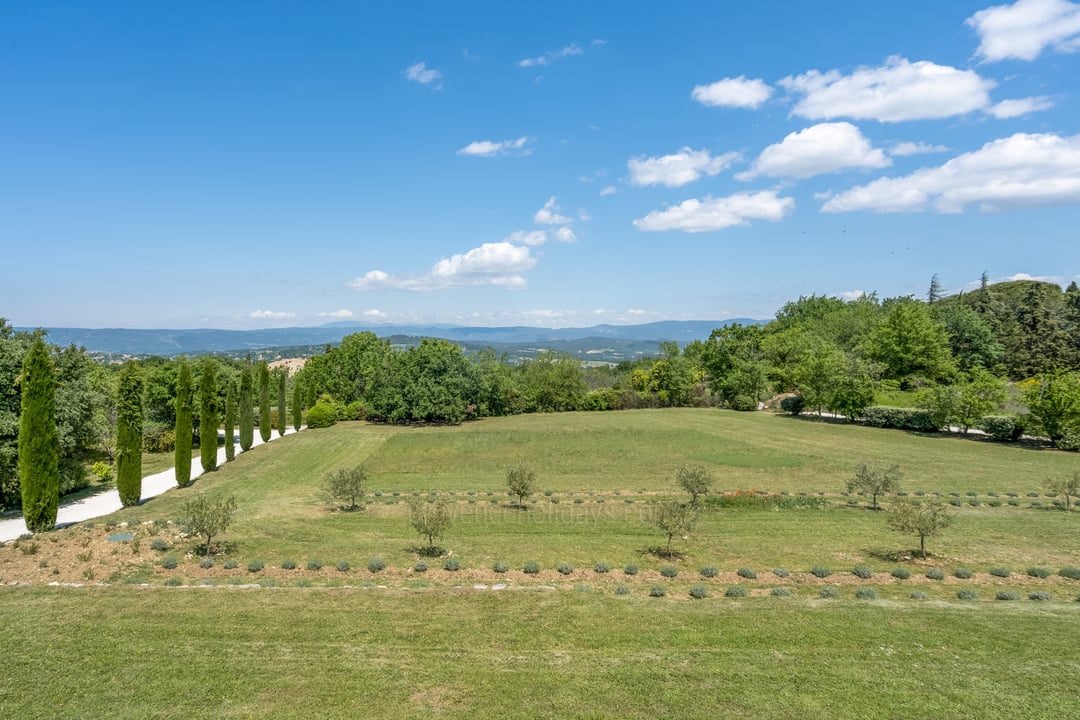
556 164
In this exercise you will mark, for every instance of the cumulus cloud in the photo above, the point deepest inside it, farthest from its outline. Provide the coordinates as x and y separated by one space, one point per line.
1018 171
564 234
421 73
550 57
822 148
341 314
733 92
491 148
717 213
549 214
897 91
608 190
374 314
678 169
904 149
1023 106
500 264
271 315
1024 29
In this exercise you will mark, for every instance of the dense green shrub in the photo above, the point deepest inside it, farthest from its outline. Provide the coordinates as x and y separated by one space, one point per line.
452 564
565 568
699 591
963 573
1000 572
916 419
601 567
255 566
1001 427
935 574
1071 573
967 595
314 565
173 582
159 544
820 571
1038 572
793 404
709 571
669 571
206 563
901 573
917 595
169 562
622 590
736 591
1040 596
159 438
829 591
866 593
748 573
322 415
630 570
780 592
531 568
657 591
501 567
1006 595
288 564
420 566
780 572
230 565
376 564
862 571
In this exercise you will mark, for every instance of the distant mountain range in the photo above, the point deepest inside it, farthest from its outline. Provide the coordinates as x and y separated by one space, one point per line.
119 341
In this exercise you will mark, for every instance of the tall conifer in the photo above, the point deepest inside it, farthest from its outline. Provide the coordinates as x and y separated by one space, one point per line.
39 445
247 410
297 405
282 411
264 401
129 421
208 416
230 421
182 454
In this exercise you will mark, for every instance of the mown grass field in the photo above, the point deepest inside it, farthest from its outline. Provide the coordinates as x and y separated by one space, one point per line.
402 643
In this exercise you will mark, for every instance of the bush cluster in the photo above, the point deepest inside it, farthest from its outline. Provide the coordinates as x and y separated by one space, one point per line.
709 571
935 574
820 571
669 571
736 591
748 573
862 571
963 573
967 595
916 419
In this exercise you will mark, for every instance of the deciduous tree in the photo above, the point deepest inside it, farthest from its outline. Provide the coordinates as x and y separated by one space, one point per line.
209 515
922 519
875 481
521 481
674 518
344 487
1068 486
39 445
694 479
430 518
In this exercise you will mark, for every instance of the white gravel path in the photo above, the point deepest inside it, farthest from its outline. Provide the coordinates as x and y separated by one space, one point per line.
109 501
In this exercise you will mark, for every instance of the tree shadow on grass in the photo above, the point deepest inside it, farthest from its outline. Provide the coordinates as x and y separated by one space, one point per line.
427 551
663 553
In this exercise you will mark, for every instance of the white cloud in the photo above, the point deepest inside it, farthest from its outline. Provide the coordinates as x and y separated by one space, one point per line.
271 315
342 314
1026 28
1023 106
424 75
528 237
1018 171
733 92
898 90
852 294
490 148
608 190
904 149
500 264
717 213
549 214
822 148
550 57
564 234
374 314
678 169
1057 279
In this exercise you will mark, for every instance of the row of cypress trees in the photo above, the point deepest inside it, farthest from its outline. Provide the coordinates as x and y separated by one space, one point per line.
38 444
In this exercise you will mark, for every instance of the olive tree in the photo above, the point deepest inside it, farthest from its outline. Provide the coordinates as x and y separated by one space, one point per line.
1067 486
922 519
344 487
694 479
430 518
521 481
673 518
209 515
875 481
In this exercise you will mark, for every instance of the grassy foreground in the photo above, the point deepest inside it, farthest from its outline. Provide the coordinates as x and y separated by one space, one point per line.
193 653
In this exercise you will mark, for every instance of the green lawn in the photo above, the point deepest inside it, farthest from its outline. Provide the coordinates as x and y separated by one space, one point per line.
400 643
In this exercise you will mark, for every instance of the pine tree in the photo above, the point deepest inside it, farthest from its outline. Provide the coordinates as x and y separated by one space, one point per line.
282 411
247 412
297 405
129 419
208 417
39 445
182 453
264 401
230 421
935 290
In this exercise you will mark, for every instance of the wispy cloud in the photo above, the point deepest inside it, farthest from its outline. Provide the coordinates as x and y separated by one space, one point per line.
1023 106
340 314
421 73
492 148
551 56
270 315
679 168
903 149
549 214
718 213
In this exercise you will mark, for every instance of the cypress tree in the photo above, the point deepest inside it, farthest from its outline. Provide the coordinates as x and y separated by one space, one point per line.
39 444
282 411
264 401
208 417
182 453
297 405
129 420
247 412
230 421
